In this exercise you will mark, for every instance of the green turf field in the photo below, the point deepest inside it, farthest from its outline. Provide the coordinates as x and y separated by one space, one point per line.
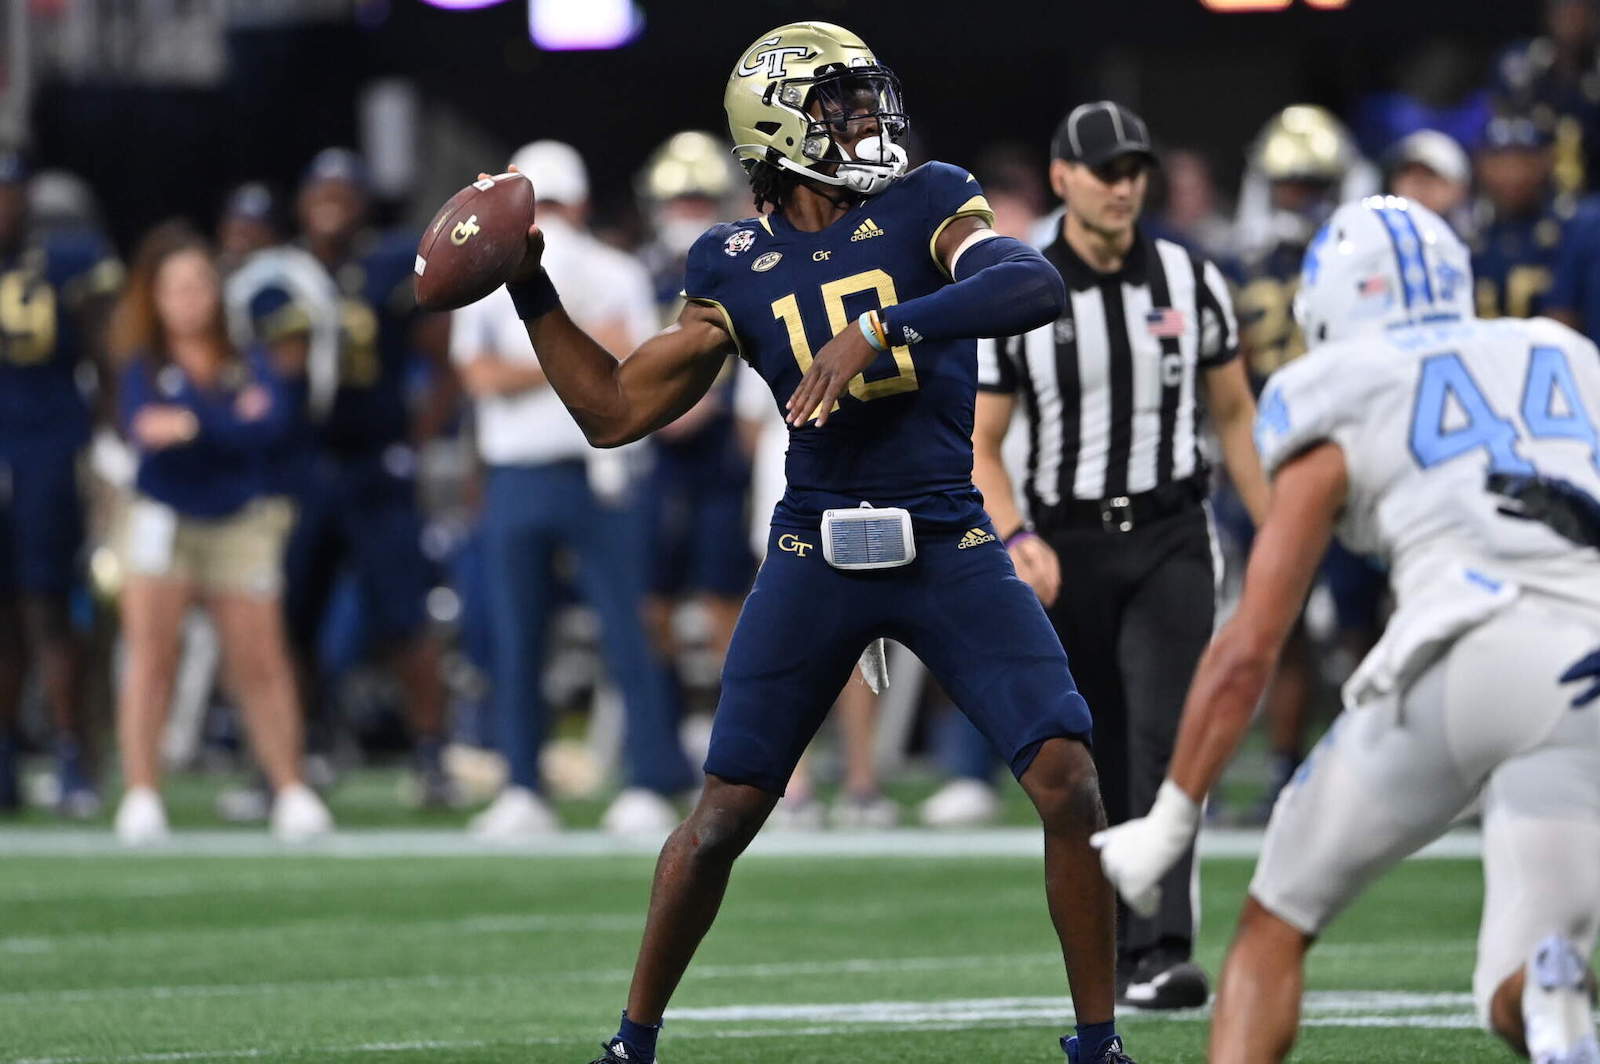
525 958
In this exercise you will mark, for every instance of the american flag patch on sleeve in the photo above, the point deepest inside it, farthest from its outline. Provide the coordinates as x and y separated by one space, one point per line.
1165 322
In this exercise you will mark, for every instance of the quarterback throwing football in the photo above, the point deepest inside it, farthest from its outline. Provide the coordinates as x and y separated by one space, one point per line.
858 296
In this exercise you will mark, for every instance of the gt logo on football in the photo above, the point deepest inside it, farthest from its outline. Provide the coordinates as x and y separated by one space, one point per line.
464 231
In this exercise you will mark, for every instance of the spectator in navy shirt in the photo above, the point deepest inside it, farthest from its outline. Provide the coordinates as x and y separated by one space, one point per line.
204 420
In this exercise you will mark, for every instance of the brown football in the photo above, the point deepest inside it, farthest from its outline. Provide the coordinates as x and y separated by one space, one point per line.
474 241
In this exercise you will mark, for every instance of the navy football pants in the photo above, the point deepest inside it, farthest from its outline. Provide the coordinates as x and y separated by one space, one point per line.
962 610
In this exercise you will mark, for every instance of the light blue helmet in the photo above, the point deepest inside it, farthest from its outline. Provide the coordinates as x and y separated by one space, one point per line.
1379 263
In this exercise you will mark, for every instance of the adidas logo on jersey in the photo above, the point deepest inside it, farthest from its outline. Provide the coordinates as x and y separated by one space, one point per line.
866 231
975 537
911 335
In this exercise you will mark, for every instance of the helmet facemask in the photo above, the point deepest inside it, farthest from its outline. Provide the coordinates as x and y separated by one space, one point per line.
837 104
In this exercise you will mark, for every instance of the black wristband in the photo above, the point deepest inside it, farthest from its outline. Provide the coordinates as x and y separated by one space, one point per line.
534 298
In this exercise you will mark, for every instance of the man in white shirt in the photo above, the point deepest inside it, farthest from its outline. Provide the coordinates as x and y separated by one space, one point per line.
548 491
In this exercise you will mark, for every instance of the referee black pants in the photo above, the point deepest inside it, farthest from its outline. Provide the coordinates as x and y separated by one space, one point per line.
1135 613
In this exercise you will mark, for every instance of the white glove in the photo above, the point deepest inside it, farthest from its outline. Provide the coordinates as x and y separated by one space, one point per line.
1137 853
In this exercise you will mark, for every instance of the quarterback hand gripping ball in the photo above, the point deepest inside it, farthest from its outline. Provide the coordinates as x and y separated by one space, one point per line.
474 242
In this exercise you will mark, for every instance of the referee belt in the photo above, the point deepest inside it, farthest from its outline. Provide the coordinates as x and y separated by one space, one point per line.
1122 513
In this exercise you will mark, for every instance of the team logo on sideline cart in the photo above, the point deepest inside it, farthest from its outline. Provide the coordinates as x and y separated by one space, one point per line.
740 242
766 262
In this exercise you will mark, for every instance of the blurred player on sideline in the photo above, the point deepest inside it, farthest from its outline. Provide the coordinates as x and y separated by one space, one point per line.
549 492
700 477
54 291
892 275
1521 219
1386 431
356 501
1430 168
1302 165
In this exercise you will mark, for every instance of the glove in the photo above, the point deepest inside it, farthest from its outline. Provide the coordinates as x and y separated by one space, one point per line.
1587 668
1562 505
1137 853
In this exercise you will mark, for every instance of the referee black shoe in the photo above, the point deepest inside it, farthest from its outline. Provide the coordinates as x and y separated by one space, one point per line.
1165 980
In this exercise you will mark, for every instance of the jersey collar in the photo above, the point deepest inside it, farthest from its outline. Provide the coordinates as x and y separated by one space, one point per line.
1079 275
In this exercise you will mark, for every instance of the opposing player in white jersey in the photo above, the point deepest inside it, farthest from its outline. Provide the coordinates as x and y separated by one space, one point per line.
1387 431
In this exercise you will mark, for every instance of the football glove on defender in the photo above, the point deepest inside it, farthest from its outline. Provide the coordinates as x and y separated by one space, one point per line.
1560 504
1137 853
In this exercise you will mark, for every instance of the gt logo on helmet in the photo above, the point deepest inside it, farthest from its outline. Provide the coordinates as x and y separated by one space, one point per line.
772 62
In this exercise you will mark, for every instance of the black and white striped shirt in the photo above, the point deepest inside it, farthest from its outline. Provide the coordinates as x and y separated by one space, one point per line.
1110 386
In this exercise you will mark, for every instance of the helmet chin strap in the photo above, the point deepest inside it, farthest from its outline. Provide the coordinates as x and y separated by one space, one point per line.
877 163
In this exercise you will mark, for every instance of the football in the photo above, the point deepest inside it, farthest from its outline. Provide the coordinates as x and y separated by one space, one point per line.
474 241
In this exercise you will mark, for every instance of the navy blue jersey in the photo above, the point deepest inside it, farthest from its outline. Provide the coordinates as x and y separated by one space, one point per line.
1575 288
226 464
43 289
1513 260
902 435
376 310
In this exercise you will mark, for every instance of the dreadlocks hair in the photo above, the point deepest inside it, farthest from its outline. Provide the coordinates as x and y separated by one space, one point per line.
770 184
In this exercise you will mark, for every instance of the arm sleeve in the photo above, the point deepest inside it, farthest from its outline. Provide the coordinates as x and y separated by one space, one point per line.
1002 287
1219 328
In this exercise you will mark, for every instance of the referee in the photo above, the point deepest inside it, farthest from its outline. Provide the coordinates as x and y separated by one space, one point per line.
1120 548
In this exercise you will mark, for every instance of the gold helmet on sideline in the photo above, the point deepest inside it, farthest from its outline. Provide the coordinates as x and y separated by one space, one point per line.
1303 142
690 163
817 65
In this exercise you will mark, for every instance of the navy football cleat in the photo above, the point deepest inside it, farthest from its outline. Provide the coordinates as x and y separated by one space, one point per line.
617 1052
1110 1053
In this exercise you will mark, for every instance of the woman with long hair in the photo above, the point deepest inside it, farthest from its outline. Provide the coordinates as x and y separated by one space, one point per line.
204 419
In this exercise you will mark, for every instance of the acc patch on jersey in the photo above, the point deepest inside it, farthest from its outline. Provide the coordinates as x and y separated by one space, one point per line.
766 262
740 242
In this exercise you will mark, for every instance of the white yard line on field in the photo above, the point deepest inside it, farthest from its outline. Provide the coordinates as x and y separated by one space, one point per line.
1379 1009
904 843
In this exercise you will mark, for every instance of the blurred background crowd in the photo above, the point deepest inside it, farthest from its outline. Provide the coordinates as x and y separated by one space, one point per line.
265 524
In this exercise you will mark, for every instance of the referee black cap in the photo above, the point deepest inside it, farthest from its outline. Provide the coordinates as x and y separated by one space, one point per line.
1095 133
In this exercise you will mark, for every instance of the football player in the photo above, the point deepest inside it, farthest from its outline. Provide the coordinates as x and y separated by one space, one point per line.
356 500
1303 164
700 477
1521 219
54 291
1384 433
858 297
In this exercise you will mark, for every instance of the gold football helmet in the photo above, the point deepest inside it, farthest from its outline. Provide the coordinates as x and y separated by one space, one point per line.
807 67
1303 143
690 163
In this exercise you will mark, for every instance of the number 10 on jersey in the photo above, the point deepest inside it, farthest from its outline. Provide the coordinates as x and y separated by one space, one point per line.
834 293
